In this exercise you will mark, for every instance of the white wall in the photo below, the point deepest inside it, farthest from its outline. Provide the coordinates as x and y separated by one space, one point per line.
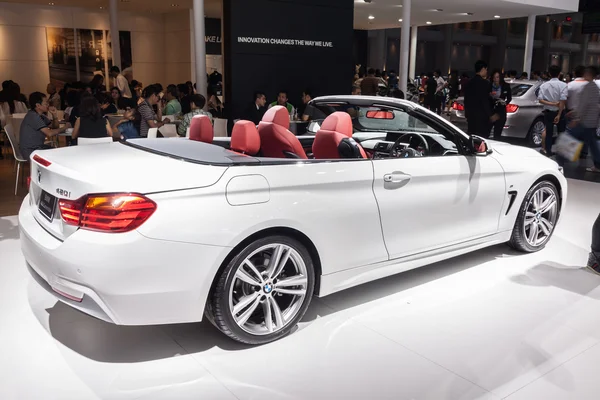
23 47
177 54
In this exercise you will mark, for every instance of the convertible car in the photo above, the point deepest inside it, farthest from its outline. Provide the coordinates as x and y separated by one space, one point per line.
247 231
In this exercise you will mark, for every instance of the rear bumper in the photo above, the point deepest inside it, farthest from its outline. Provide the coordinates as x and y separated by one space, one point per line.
126 279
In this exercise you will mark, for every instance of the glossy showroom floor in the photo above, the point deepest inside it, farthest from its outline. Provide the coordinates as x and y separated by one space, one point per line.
489 325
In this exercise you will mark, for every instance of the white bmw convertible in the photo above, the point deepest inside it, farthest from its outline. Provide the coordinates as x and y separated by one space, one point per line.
247 231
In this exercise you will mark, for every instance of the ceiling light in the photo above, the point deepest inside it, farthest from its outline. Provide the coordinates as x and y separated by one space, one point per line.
496 16
174 5
50 4
400 20
371 17
125 1
467 13
428 22
102 8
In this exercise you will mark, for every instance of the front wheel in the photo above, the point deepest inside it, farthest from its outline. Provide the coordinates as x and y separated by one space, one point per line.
264 291
537 218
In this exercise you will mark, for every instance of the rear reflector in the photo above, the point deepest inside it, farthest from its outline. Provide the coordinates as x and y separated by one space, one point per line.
511 108
41 161
458 106
118 212
68 296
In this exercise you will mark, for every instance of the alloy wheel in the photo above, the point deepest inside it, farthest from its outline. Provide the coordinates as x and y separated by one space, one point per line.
540 217
268 289
536 133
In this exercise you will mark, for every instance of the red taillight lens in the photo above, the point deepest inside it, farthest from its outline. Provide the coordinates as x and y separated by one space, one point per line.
121 212
458 106
511 108
41 161
28 182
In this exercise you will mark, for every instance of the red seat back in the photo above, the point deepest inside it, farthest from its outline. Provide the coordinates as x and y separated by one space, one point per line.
334 139
245 138
275 138
201 130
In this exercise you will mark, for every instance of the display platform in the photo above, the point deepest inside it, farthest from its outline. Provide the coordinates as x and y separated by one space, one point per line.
490 325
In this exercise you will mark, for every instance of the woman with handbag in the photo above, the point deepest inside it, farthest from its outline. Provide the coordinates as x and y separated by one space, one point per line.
501 96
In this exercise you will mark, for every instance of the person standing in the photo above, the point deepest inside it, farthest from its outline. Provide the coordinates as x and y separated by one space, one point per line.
439 91
121 82
430 90
553 96
501 96
369 86
478 106
586 116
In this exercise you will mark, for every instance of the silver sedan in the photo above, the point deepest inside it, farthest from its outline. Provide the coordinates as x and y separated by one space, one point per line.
524 117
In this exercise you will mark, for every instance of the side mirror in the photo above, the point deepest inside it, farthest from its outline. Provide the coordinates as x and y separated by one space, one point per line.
479 146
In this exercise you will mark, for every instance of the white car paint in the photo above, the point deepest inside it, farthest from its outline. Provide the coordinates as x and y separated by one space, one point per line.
361 227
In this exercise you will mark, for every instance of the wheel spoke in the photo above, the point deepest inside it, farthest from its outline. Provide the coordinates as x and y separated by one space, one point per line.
281 264
250 265
537 200
533 234
274 260
295 292
245 277
268 315
546 226
529 218
244 302
243 318
548 204
276 312
298 280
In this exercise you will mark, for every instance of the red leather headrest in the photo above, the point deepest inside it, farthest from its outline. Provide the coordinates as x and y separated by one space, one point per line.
278 115
245 138
201 130
338 122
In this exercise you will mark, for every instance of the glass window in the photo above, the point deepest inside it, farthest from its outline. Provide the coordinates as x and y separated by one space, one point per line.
519 90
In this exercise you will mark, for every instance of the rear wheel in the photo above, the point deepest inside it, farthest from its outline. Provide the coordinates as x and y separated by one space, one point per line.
537 218
534 136
264 291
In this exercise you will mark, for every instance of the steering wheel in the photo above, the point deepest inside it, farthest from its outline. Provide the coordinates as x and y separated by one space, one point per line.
396 147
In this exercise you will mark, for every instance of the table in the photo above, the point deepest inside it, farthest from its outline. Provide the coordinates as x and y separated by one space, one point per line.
298 127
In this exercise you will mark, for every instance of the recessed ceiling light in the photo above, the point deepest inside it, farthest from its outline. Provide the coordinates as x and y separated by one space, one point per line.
400 20
102 8
371 17
50 4
467 13
174 5
496 16
428 22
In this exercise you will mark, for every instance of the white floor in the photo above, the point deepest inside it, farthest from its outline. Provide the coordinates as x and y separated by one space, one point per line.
494 324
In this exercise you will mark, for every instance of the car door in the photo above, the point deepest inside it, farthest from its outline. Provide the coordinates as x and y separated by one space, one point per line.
435 201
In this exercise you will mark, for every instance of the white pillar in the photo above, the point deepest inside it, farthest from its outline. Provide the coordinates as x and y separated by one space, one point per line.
114 32
200 47
404 44
412 70
192 48
529 44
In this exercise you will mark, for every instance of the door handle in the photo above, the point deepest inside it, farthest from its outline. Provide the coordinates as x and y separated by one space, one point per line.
396 177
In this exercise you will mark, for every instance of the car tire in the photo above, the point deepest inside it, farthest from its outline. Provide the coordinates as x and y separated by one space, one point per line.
537 218
273 300
534 135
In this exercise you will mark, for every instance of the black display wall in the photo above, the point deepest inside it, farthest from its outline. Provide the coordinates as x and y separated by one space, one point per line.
292 45
212 37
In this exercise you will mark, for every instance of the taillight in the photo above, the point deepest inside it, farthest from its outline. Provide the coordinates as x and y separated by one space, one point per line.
511 108
28 182
458 106
41 161
119 212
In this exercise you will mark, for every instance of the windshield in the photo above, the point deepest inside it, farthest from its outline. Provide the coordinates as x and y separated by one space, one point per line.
375 119
520 89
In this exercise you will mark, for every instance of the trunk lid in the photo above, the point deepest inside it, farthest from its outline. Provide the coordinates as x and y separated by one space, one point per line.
107 168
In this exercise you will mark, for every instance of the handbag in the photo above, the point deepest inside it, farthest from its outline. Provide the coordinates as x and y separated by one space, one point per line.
568 147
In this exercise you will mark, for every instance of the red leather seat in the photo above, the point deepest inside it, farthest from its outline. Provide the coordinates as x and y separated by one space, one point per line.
245 138
201 130
334 139
275 138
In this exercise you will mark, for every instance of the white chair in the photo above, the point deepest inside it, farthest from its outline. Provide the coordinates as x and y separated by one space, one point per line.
16 152
187 133
152 133
220 127
91 141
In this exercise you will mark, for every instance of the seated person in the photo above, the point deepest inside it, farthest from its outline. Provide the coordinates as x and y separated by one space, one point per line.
36 126
90 123
184 98
197 101
173 106
311 112
128 127
148 117
282 100
256 110
106 104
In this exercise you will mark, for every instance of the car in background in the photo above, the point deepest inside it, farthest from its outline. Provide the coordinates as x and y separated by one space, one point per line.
524 114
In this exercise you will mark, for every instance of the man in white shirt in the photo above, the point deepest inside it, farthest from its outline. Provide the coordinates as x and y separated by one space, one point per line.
575 87
439 91
121 82
553 95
